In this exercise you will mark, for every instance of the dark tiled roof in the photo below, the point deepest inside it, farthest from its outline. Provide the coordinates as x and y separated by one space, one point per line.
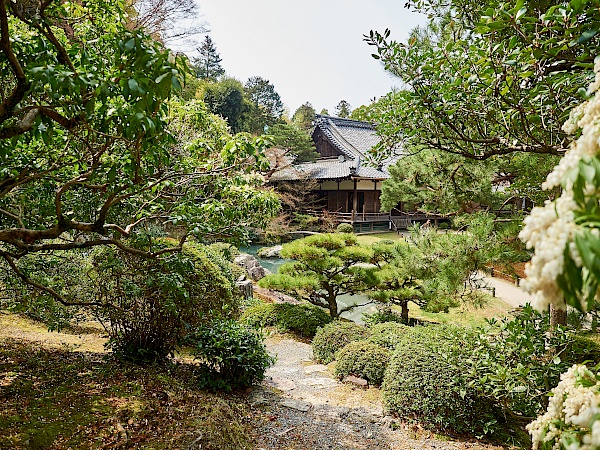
353 139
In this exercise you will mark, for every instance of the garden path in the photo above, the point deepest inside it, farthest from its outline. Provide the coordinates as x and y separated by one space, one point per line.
302 406
508 292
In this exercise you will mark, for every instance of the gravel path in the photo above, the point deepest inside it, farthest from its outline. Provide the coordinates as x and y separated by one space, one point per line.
301 406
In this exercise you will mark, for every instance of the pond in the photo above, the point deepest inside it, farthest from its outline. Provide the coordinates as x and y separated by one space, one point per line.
273 264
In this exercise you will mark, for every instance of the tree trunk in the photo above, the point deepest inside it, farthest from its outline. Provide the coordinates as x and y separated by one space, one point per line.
557 317
333 308
404 313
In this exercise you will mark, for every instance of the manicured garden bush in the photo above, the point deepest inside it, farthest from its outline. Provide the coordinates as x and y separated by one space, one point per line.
362 359
158 299
425 381
303 320
344 228
387 334
231 355
335 336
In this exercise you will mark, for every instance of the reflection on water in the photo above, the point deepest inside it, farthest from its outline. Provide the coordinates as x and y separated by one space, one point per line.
273 264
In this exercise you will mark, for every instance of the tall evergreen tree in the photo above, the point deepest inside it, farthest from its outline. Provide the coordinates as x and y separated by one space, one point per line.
268 107
343 109
304 116
208 64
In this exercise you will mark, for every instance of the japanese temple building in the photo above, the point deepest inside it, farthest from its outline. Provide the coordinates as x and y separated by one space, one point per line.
348 186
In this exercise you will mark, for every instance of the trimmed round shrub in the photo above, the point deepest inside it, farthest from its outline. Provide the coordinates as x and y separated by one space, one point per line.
333 337
425 381
387 334
345 228
158 299
231 355
302 320
362 359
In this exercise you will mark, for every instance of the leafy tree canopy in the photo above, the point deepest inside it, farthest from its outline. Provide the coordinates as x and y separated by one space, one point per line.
227 99
294 141
267 105
304 116
86 153
489 78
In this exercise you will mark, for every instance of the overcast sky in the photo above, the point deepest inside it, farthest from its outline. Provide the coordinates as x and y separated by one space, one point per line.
310 50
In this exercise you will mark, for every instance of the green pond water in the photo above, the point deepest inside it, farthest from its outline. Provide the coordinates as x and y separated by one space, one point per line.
273 264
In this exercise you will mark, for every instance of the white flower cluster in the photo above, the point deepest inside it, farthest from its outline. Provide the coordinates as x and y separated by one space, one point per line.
551 229
571 411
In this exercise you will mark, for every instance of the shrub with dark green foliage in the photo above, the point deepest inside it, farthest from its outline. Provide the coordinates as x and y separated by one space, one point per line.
425 381
303 320
362 359
158 299
333 337
231 355
345 228
387 334
517 362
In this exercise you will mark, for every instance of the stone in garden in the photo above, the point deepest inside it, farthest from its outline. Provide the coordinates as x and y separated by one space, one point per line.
315 368
359 382
252 266
245 288
296 404
283 384
270 252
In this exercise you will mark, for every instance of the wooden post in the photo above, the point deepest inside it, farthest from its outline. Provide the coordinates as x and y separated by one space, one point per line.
354 200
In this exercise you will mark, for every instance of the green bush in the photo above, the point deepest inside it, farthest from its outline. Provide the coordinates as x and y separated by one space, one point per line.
517 362
362 359
231 355
156 300
383 314
333 337
387 334
227 251
344 228
425 381
303 320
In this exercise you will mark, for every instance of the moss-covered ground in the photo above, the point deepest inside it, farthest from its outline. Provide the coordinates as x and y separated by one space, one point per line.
58 396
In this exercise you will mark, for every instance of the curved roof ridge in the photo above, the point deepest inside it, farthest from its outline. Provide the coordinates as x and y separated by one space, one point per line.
345 121
328 126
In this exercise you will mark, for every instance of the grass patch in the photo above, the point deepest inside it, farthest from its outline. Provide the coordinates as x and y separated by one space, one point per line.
464 315
368 239
55 398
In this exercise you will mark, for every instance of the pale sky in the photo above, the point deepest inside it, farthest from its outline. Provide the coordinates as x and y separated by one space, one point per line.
310 50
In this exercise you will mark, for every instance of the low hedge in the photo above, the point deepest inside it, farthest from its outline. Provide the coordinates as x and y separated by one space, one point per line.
334 337
387 334
426 381
302 320
362 359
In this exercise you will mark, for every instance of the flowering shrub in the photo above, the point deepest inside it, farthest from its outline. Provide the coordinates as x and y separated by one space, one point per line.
565 233
572 420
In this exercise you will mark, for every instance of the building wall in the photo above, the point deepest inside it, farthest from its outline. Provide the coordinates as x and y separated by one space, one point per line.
348 185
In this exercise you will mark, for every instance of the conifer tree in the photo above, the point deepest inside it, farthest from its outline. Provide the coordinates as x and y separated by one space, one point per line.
343 109
208 64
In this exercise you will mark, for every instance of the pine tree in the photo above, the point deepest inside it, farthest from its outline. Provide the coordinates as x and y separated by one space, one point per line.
343 109
208 64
